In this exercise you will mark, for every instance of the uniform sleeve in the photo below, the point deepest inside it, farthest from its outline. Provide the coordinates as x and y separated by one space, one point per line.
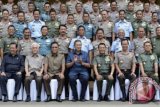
156 59
140 59
46 60
112 47
134 59
115 28
130 28
116 58
69 58
1 43
90 46
94 61
21 64
26 62
71 45
63 60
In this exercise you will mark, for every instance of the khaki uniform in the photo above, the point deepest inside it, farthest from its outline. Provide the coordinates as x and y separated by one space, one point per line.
23 5
138 44
5 43
103 63
55 63
56 7
138 6
125 62
63 44
29 17
97 42
71 6
53 28
138 23
148 60
71 30
147 16
104 6
62 18
152 29
114 15
34 63
121 4
154 7
4 28
13 18
78 18
25 47
8 7
95 18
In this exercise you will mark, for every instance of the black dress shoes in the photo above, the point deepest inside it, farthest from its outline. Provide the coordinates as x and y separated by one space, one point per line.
14 98
28 99
5 99
48 98
59 98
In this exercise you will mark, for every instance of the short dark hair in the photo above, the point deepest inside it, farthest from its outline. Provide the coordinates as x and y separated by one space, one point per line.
77 41
4 11
154 13
13 43
62 25
122 11
99 29
146 43
53 44
46 3
124 39
52 10
139 11
11 26
36 10
26 29
20 12
81 26
101 44
44 27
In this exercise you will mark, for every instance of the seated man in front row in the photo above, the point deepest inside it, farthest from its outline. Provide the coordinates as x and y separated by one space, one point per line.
12 67
78 62
34 69
148 62
103 66
54 69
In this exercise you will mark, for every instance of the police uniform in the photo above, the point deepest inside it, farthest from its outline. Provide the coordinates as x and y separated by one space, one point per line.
23 4
44 42
3 28
53 28
45 16
97 42
154 7
95 18
71 6
152 29
104 6
5 43
13 18
78 18
88 7
62 18
138 23
63 44
125 62
121 4
25 47
114 15
8 7
103 63
147 16
148 60
138 6
56 7
71 30
19 26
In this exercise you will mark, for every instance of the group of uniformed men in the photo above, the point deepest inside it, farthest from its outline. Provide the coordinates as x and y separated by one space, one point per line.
72 40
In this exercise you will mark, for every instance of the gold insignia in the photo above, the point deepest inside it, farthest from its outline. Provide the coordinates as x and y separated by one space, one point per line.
99 65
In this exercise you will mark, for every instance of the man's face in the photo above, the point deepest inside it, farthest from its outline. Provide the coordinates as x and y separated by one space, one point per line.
36 15
155 17
146 6
81 31
141 32
31 7
125 45
13 49
78 46
79 8
63 8
121 34
95 7
47 7
35 49
15 9
130 6
70 19
113 6
158 32
147 47
53 15
11 31
122 15
5 15
139 15
104 15
21 17
63 30
27 34
86 18
54 48
44 31
100 34
102 49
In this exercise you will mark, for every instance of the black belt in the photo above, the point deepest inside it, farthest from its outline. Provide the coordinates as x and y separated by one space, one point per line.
126 70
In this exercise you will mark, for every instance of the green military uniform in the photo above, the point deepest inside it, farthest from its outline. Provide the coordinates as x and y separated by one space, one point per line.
125 62
53 28
138 23
130 16
5 42
148 60
103 63
156 49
